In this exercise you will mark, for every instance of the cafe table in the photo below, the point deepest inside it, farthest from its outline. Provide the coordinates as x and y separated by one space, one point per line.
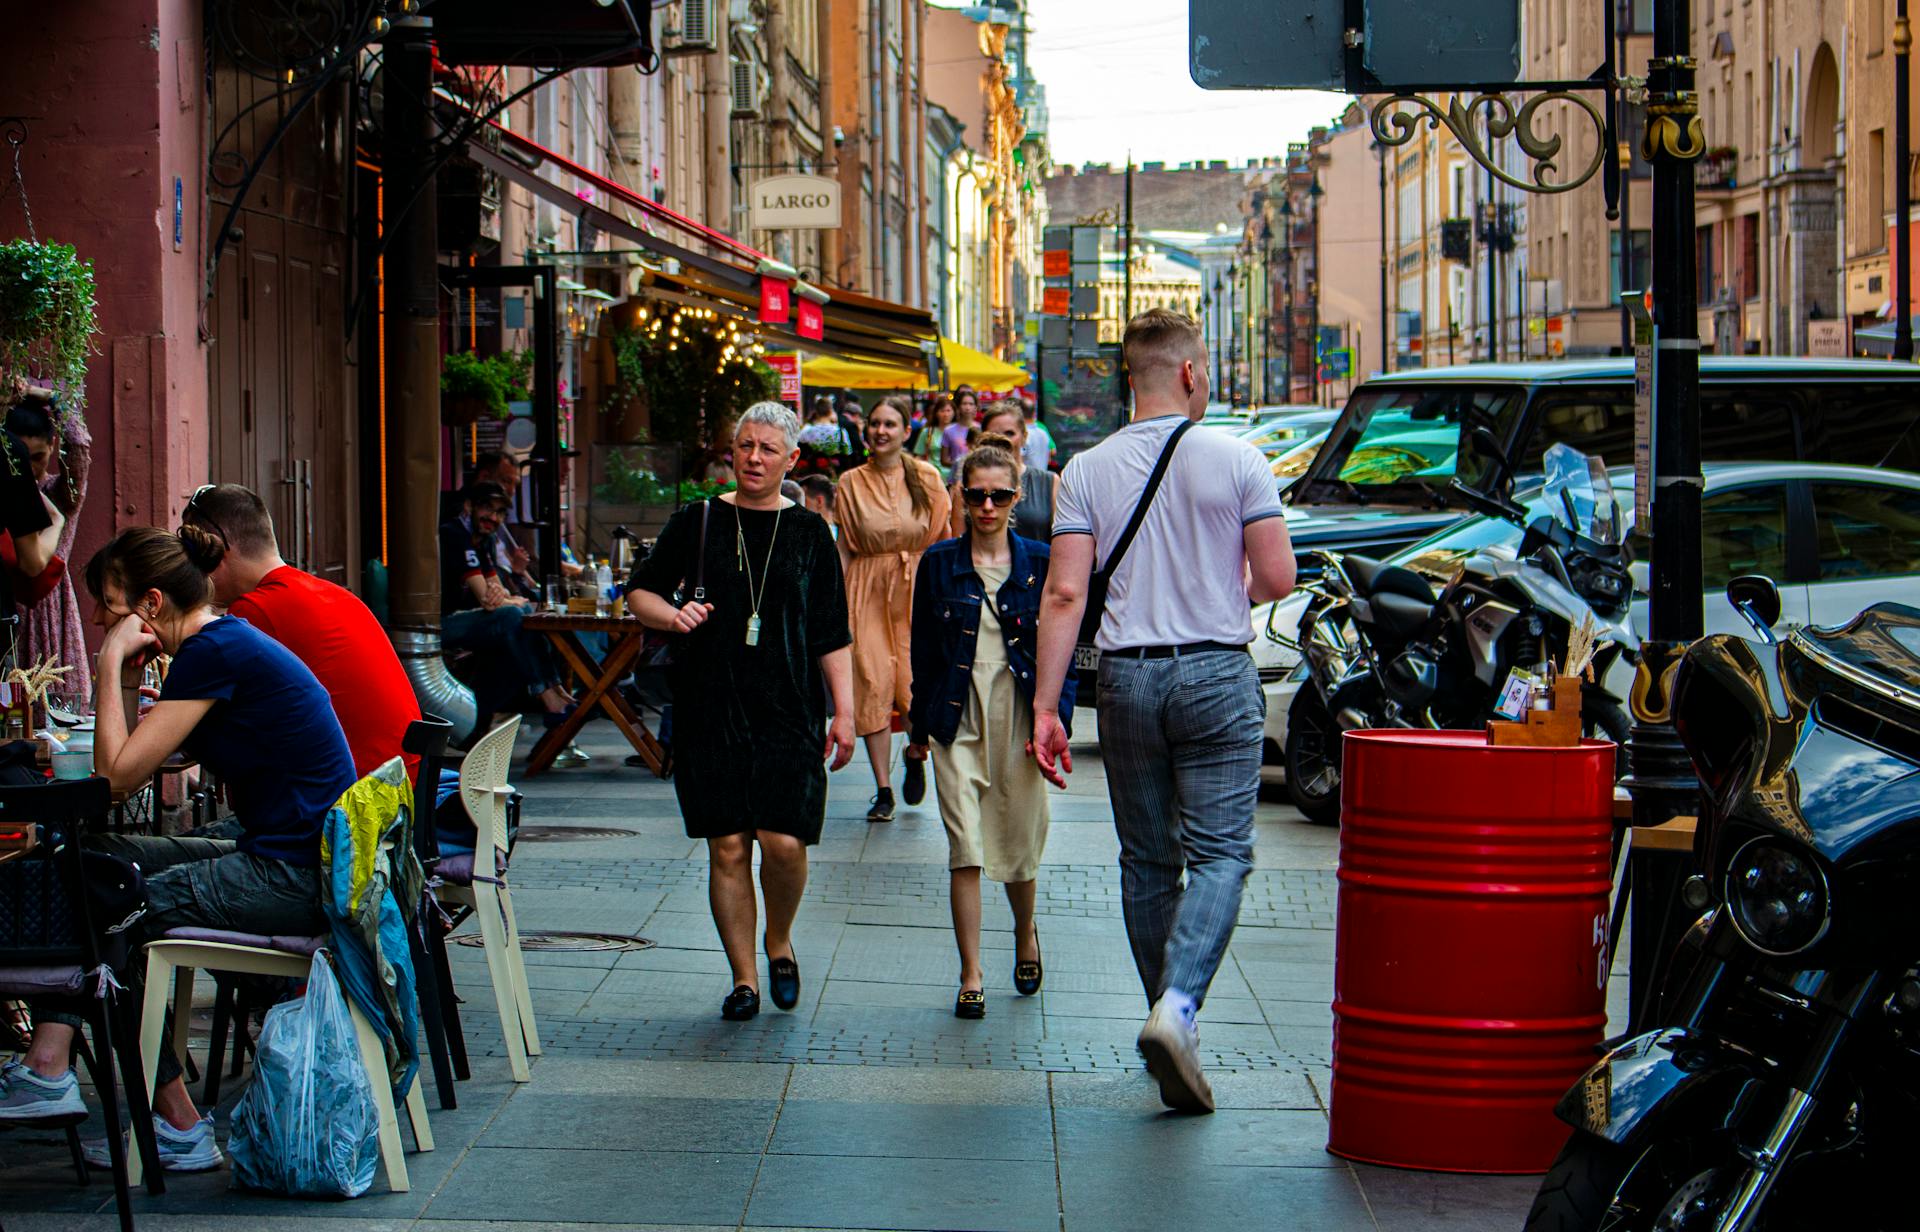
625 637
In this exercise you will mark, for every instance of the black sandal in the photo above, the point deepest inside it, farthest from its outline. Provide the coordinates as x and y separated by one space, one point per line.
1027 975
971 1003
741 1004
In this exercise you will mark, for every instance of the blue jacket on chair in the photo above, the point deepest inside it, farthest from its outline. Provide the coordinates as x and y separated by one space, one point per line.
947 594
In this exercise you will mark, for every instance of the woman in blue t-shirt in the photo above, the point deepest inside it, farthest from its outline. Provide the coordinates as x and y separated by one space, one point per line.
251 713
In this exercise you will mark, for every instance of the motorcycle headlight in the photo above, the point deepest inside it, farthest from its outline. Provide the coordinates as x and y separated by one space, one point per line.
1777 897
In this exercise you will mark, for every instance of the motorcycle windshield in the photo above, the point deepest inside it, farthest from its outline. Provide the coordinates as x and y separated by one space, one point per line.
1881 643
1580 494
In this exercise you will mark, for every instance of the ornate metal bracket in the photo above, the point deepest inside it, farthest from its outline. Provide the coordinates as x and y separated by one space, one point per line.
1396 121
1673 120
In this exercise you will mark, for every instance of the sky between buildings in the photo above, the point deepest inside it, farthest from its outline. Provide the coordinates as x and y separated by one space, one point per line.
1116 79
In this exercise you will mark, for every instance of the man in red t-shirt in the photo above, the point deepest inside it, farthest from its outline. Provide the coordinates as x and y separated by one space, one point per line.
325 626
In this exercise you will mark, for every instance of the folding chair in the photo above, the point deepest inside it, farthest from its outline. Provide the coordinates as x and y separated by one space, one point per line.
486 793
50 945
439 1012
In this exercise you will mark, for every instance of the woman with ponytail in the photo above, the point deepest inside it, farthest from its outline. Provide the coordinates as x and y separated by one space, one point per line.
247 710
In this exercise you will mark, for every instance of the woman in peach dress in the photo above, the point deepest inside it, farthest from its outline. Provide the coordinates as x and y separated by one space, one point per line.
889 510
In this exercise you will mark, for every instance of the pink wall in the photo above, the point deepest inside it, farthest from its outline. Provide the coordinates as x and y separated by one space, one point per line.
114 105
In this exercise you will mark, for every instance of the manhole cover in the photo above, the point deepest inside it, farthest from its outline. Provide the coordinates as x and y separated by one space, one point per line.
570 834
542 939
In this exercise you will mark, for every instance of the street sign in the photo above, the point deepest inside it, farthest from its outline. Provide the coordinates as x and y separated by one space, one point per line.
1336 365
1643 334
1259 45
783 201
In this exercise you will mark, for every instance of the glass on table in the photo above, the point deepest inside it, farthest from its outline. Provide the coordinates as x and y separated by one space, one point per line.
556 594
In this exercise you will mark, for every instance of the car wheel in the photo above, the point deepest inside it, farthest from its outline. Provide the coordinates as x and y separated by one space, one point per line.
1312 758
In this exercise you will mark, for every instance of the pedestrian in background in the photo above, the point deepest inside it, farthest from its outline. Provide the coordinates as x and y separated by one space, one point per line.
976 605
957 438
926 445
1033 515
889 511
1181 712
1038 451
823 442
853 424
750 586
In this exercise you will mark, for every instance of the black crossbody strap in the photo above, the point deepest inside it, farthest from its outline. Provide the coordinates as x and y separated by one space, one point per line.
700 556
1146 499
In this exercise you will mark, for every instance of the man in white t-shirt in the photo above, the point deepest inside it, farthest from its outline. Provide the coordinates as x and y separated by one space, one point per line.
1181 711
1038 454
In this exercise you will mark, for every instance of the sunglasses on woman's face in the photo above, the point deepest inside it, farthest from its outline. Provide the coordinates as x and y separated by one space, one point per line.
1001 497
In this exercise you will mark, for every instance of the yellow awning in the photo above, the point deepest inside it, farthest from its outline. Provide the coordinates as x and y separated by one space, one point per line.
964 365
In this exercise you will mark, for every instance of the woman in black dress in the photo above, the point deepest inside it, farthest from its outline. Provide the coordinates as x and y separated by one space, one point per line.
761 640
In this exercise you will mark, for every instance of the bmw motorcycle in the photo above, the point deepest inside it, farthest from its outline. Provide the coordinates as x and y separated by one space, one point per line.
1383 649
1781 1090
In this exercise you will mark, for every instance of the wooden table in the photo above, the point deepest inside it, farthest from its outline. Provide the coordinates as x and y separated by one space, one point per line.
625 636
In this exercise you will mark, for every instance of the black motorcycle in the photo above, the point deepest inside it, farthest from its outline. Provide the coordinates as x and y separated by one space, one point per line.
1382 648
1781 1091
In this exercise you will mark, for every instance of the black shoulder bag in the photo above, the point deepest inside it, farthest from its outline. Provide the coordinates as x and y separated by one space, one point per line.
657 646
1097 584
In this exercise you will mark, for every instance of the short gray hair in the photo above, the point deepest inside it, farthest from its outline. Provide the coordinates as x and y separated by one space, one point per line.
773 415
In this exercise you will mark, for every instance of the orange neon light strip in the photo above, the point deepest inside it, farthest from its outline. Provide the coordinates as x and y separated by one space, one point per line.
380 347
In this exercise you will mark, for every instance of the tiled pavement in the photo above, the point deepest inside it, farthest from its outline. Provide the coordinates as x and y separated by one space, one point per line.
869 1106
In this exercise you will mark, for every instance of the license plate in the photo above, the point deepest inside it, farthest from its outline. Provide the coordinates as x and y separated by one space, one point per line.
1086 658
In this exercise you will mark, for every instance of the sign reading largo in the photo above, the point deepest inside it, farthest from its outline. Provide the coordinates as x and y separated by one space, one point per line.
784 201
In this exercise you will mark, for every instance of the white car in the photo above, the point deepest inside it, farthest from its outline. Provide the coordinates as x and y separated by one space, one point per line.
1835 539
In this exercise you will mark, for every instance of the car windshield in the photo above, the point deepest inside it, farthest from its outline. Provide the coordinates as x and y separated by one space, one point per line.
1439 556
1407 443
1293 462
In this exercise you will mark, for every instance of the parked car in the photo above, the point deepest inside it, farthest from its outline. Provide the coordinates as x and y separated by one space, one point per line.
1382 480
1283 432
1836 539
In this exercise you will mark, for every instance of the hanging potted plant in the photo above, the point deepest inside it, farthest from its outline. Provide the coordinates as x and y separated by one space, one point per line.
46 318
473 388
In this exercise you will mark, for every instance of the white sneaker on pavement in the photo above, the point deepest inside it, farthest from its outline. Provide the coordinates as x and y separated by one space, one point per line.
1172 1050
26 1096
181 1150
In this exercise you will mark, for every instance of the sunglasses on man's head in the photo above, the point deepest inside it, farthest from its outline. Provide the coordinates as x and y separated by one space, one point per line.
978 497
199 515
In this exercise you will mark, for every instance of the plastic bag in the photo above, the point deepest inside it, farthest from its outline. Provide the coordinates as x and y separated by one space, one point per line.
307 1124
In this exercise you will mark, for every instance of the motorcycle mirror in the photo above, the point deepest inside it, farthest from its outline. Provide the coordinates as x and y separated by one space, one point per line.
1487 445
1755 596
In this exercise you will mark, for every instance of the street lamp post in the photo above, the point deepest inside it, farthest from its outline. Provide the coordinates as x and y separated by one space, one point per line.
1314 193
1622 24
1266 310
1232 324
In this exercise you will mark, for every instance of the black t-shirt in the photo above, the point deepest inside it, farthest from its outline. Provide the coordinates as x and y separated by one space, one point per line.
22 513
461 558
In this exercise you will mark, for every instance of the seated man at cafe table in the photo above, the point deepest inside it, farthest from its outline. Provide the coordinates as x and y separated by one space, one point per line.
479 614
326 626
250 712
513 561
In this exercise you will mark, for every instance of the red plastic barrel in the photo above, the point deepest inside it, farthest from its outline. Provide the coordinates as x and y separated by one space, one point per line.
1471 951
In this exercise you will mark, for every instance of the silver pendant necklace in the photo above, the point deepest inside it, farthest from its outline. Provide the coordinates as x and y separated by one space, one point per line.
746 567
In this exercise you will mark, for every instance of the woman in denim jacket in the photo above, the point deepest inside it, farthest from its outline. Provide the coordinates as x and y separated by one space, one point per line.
976 606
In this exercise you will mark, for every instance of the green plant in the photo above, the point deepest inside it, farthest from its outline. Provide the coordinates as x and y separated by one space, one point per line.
46 316
695 371
494 380
630 481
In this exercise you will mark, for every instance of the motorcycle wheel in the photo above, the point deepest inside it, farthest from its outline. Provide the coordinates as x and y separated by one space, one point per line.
1666 1187
1312 759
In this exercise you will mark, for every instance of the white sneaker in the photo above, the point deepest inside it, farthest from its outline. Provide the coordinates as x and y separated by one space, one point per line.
26 1096
1172 1050
189 1150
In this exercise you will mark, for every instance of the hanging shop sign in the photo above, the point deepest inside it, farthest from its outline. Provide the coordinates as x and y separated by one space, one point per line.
811 320
787 364
784 201
776 297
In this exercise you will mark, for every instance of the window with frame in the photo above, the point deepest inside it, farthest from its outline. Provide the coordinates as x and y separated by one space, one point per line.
1742 530
1862 425
1641 262
1865 530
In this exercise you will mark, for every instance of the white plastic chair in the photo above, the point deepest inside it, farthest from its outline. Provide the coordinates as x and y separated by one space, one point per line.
485 791
292 957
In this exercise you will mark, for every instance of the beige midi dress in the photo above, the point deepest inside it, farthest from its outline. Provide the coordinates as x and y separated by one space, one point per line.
992 798
884 539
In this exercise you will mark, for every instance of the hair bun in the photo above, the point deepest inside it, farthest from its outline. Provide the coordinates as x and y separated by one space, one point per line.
993 440
205 550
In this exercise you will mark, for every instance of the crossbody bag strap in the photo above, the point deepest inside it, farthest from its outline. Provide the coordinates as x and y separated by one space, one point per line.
700 556
1146 499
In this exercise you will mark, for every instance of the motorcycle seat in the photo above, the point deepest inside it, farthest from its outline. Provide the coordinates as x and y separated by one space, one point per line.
1398 615
1374 577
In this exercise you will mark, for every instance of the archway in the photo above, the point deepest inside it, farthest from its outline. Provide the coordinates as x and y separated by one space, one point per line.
1823 111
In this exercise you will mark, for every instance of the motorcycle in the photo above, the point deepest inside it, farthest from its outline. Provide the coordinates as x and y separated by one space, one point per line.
1382 649
1781 1090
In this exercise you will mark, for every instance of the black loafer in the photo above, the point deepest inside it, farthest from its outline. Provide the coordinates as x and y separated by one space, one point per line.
882 809
1027 977
741 1004
971 1003
913 789
783 981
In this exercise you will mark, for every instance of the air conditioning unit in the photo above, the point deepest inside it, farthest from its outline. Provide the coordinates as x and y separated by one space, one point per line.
695 35
746 90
